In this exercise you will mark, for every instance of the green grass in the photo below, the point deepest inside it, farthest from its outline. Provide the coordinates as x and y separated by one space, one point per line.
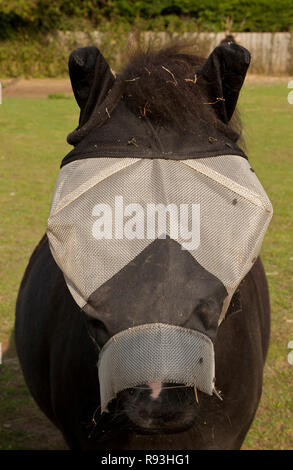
32 144
268 120
59 96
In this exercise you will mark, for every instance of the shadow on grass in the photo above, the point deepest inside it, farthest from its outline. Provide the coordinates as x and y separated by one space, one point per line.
22 425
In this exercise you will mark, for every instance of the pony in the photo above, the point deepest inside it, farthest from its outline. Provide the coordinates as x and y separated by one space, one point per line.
172 105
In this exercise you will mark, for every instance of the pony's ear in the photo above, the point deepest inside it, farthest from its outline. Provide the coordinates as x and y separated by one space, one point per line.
91 79
221 77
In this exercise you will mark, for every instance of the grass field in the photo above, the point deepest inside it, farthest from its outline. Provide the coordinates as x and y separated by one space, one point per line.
32 144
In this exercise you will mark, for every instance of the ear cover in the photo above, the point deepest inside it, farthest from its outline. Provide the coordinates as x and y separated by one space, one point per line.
91 79
221 78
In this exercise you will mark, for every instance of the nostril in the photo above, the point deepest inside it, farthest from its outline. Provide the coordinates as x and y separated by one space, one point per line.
156 413
143 414
160 413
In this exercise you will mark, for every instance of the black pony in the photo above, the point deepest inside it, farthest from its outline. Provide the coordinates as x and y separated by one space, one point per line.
167 104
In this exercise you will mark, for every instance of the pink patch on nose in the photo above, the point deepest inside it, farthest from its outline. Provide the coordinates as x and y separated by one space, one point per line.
156 388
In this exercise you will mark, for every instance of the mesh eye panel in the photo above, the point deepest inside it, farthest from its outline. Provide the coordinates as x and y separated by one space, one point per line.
232 224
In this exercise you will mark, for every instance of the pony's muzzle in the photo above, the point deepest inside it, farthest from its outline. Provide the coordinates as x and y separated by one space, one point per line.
155 353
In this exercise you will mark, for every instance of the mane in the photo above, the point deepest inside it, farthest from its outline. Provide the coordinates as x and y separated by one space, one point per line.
161 85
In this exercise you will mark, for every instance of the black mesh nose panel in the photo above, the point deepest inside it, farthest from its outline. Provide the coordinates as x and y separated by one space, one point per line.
162 284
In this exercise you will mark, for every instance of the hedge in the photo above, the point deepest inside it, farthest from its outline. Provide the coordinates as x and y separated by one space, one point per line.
206 15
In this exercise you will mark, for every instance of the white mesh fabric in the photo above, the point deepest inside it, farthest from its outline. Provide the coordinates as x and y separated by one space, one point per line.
234 215
77 173
155 352
236 168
